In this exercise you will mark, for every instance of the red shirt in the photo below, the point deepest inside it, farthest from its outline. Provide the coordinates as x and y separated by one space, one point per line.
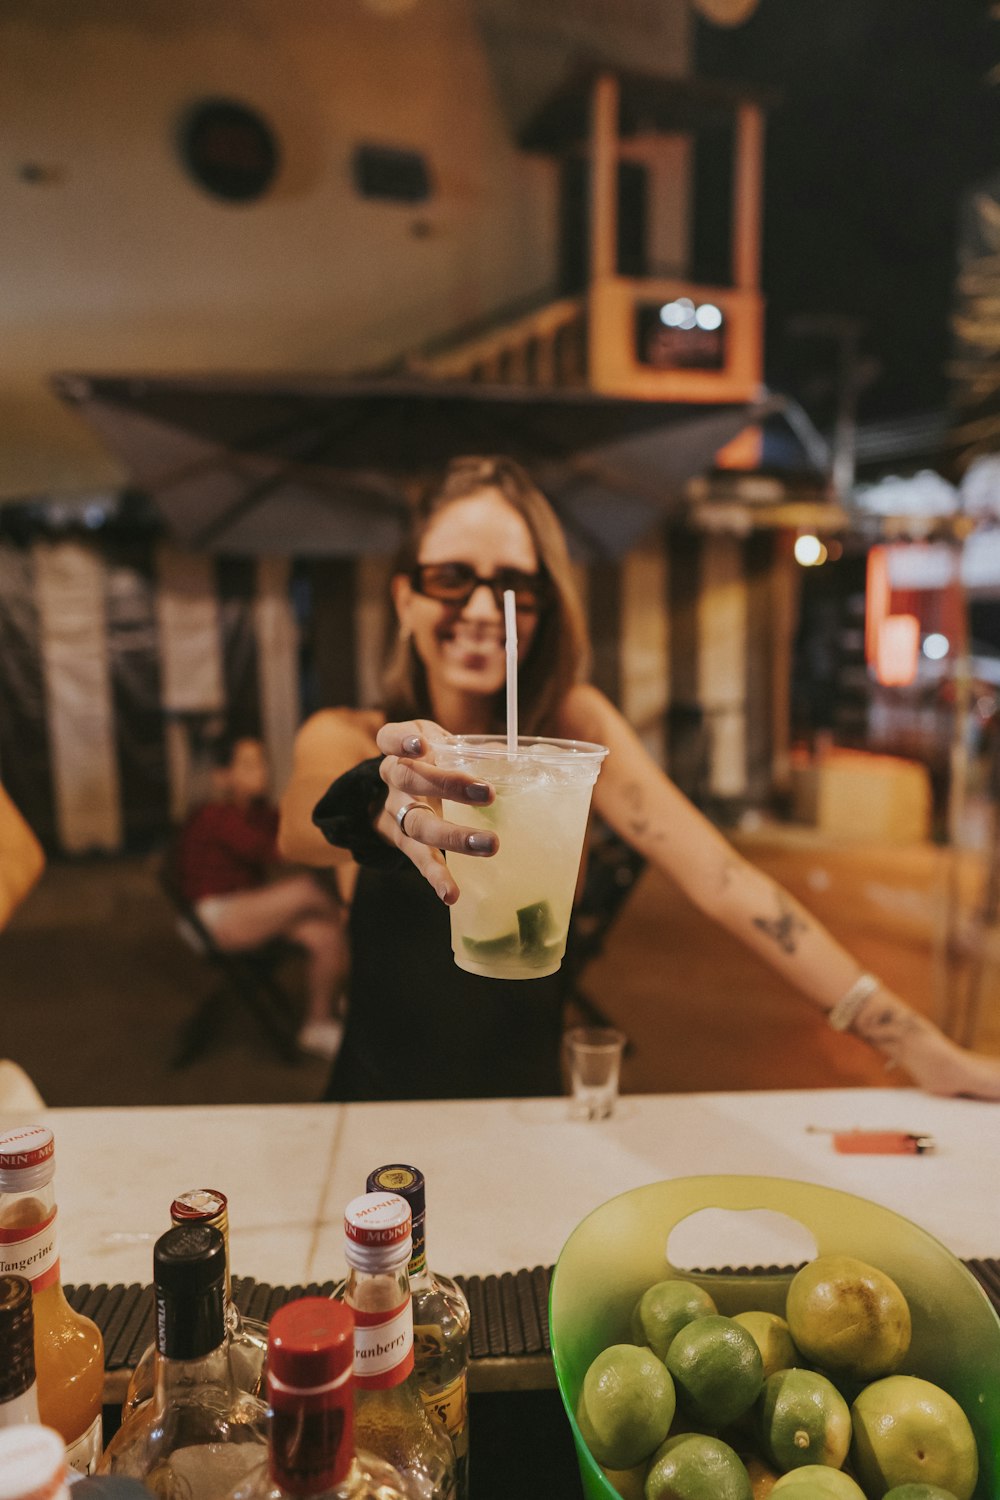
224 848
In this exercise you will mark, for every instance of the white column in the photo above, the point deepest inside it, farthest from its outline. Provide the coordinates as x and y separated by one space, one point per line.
190 647
722 665
69 586
277 666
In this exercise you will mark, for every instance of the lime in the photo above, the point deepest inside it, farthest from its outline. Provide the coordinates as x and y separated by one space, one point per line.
717 1369
694 1467
918 1492
770 1334
803 1420
629 1483
819 1480
666 1308
626 1405
848 1317
908 1431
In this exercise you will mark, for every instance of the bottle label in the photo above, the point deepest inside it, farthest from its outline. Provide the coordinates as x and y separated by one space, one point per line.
383 1347
31 1250
450 1405
84 1454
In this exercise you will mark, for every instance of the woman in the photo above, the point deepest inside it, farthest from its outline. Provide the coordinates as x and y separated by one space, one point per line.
419 1027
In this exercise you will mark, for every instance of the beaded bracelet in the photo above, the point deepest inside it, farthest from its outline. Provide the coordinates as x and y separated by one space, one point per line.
843 1014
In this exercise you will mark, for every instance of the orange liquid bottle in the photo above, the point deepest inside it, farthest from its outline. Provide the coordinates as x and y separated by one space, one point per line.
69 1350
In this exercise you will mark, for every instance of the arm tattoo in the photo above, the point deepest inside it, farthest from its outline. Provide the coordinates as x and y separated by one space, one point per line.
638 820
785 928
887 1026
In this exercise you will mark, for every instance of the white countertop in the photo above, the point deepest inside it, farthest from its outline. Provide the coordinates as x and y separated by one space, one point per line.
507 1180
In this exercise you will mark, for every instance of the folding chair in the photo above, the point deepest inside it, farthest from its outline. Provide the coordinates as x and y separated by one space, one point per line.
250 975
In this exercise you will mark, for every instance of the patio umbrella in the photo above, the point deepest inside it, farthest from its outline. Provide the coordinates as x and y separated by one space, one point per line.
328 468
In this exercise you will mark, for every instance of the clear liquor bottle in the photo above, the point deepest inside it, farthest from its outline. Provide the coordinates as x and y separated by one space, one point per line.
440 1322
18 1386
69 1350
247 1338
391 1419
310 1389
199 1434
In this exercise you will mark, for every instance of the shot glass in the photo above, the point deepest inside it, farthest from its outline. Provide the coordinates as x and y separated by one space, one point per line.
594 1056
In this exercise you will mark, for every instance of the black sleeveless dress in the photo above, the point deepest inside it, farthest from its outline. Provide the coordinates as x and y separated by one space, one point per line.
419 1027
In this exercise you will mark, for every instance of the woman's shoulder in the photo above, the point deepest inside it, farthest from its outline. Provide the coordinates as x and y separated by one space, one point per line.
585 713
339 722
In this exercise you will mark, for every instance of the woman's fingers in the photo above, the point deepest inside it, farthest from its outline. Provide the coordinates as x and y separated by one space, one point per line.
422 834
409 766
421 824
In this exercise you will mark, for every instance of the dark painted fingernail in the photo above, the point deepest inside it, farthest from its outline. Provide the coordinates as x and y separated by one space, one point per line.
412 745
480 843
479 791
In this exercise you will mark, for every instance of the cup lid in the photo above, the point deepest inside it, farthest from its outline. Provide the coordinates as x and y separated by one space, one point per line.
27 1158
377 1220
32 1463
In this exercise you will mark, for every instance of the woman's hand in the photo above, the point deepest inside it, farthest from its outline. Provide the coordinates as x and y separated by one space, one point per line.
409 772
934 1062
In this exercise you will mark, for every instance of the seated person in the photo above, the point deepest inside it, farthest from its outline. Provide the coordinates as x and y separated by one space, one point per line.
225 858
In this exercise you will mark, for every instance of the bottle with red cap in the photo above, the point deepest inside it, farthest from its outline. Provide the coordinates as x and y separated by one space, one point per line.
69 1350
310 1392
199 1434
247 1338
390 1416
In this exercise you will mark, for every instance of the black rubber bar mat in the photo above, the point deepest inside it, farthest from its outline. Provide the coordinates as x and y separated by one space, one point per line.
510 1312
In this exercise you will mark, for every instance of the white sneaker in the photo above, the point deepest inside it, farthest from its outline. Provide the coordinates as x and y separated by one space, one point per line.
321 1038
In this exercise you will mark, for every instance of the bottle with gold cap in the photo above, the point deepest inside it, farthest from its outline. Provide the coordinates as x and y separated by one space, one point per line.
440 1322
310 1397
247 1337
18 1387
391 1419
69 1350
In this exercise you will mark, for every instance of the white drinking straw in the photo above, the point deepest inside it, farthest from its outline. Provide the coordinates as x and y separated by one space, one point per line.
510 623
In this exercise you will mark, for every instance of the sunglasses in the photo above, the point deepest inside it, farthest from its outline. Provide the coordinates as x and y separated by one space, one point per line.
456 582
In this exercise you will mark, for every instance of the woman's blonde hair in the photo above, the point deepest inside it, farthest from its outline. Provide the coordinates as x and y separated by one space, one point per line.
560 649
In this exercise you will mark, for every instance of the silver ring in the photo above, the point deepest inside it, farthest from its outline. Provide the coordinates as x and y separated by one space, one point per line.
408 807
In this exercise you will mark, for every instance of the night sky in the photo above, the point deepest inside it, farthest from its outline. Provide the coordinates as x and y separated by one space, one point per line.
884 119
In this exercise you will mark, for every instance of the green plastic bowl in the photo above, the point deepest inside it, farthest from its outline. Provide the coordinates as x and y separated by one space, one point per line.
621 1248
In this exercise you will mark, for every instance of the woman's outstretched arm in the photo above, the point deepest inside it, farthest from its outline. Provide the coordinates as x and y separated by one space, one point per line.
645 807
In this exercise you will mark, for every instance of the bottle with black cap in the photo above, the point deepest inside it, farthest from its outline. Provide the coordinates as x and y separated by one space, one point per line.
18 1387
199 1429
247 1337
440 1322
310 1389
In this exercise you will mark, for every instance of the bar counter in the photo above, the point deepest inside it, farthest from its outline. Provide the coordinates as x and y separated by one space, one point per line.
507 1180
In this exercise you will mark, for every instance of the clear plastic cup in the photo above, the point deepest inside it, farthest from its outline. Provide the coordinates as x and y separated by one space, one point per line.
512 916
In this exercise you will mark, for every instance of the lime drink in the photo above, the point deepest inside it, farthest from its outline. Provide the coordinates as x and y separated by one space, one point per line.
512 916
